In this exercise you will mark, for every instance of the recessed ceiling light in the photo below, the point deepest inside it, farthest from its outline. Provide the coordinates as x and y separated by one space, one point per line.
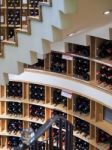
107 12
71 34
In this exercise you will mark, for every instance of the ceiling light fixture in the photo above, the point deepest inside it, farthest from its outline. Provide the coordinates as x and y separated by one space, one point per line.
107 12
71 34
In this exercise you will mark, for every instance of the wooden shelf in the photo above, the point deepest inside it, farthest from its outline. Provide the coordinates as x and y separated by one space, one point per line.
95 117
93 69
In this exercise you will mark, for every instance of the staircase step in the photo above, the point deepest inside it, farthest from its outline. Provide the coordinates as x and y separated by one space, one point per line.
33 41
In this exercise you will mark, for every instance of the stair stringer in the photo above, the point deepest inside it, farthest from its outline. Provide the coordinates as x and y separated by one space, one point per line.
34 42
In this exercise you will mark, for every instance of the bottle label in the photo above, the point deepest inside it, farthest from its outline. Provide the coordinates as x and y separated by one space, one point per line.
2 19
67 57
1 37
23 18
24 1
65 94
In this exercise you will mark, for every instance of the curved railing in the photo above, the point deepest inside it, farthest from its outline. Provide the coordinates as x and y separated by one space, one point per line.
30 139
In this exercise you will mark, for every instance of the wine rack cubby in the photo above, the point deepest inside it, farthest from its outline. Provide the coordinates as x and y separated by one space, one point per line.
58 64
17 90
81 68
89 118
37 92
103 49
79 49
82 127
58 99
80 144
14 109
104 76
12 141
81 105
14 126
38 65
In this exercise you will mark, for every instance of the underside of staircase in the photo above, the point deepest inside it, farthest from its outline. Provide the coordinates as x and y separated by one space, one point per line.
44 33
34 42
83 38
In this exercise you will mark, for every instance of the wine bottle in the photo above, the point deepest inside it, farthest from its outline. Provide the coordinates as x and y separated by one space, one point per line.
37 92
82 126
35 126
13 3
14 126
55 112
14 89
34 12
38 65
10 33
57 63
58 98
14 108
105 49
82 105
82 50
103 137
13 17
82 68
13 141
37 112
81 145
34 3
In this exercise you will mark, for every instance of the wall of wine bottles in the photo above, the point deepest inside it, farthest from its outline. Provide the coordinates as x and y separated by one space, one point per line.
25 105
91 64
29 105
14 14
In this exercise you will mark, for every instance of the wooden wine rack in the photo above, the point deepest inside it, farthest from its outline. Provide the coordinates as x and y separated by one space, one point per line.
97 111
94 65
24 8
95 117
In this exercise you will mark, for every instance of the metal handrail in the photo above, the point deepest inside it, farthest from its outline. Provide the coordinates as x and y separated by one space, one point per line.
48 126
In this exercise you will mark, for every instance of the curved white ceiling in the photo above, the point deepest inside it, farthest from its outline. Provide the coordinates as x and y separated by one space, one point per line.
89 13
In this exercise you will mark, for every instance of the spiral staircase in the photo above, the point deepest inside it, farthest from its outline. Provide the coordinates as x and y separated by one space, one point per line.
34 42
43 34
33 141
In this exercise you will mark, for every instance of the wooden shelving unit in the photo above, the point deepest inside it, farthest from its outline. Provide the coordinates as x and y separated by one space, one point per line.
98 115
88 59
93 115
14 14
86 67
